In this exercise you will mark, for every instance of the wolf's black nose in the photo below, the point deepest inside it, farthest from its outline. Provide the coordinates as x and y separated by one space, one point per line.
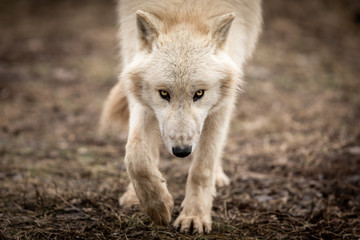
182 152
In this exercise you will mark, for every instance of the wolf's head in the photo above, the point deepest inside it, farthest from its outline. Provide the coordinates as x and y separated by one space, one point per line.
183 73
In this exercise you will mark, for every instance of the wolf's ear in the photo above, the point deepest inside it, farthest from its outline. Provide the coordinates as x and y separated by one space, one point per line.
220 26
148 28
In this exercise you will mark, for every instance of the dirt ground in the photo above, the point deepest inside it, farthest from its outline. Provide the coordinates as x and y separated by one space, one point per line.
293 152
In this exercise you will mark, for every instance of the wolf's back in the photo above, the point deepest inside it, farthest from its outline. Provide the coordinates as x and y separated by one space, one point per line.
243 33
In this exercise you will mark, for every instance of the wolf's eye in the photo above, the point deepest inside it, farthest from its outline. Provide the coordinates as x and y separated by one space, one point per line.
199 94
164 94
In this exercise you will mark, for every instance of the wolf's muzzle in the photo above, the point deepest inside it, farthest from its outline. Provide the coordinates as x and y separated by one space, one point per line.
182 152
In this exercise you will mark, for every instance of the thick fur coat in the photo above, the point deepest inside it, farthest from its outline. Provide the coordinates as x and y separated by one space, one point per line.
182 67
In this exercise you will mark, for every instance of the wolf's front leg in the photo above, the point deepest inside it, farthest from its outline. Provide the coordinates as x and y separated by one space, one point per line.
141 164
200 186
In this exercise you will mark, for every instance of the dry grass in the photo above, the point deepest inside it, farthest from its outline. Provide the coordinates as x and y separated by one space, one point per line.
293 153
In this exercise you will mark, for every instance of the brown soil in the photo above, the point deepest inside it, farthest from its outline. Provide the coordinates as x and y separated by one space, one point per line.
293 152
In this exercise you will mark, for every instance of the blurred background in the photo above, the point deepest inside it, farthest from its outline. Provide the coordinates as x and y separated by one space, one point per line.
293 153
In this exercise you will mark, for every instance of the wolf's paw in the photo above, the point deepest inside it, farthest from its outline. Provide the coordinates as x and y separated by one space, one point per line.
160 209
221 179
129 199
200 224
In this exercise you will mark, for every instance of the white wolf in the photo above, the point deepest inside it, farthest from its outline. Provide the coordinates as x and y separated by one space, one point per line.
182 66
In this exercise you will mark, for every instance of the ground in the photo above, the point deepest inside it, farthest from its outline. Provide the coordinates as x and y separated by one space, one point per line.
293 153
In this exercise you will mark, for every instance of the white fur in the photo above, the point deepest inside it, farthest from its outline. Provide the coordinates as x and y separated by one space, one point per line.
181 47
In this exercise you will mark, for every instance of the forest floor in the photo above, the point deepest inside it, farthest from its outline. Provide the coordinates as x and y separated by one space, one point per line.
293 153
